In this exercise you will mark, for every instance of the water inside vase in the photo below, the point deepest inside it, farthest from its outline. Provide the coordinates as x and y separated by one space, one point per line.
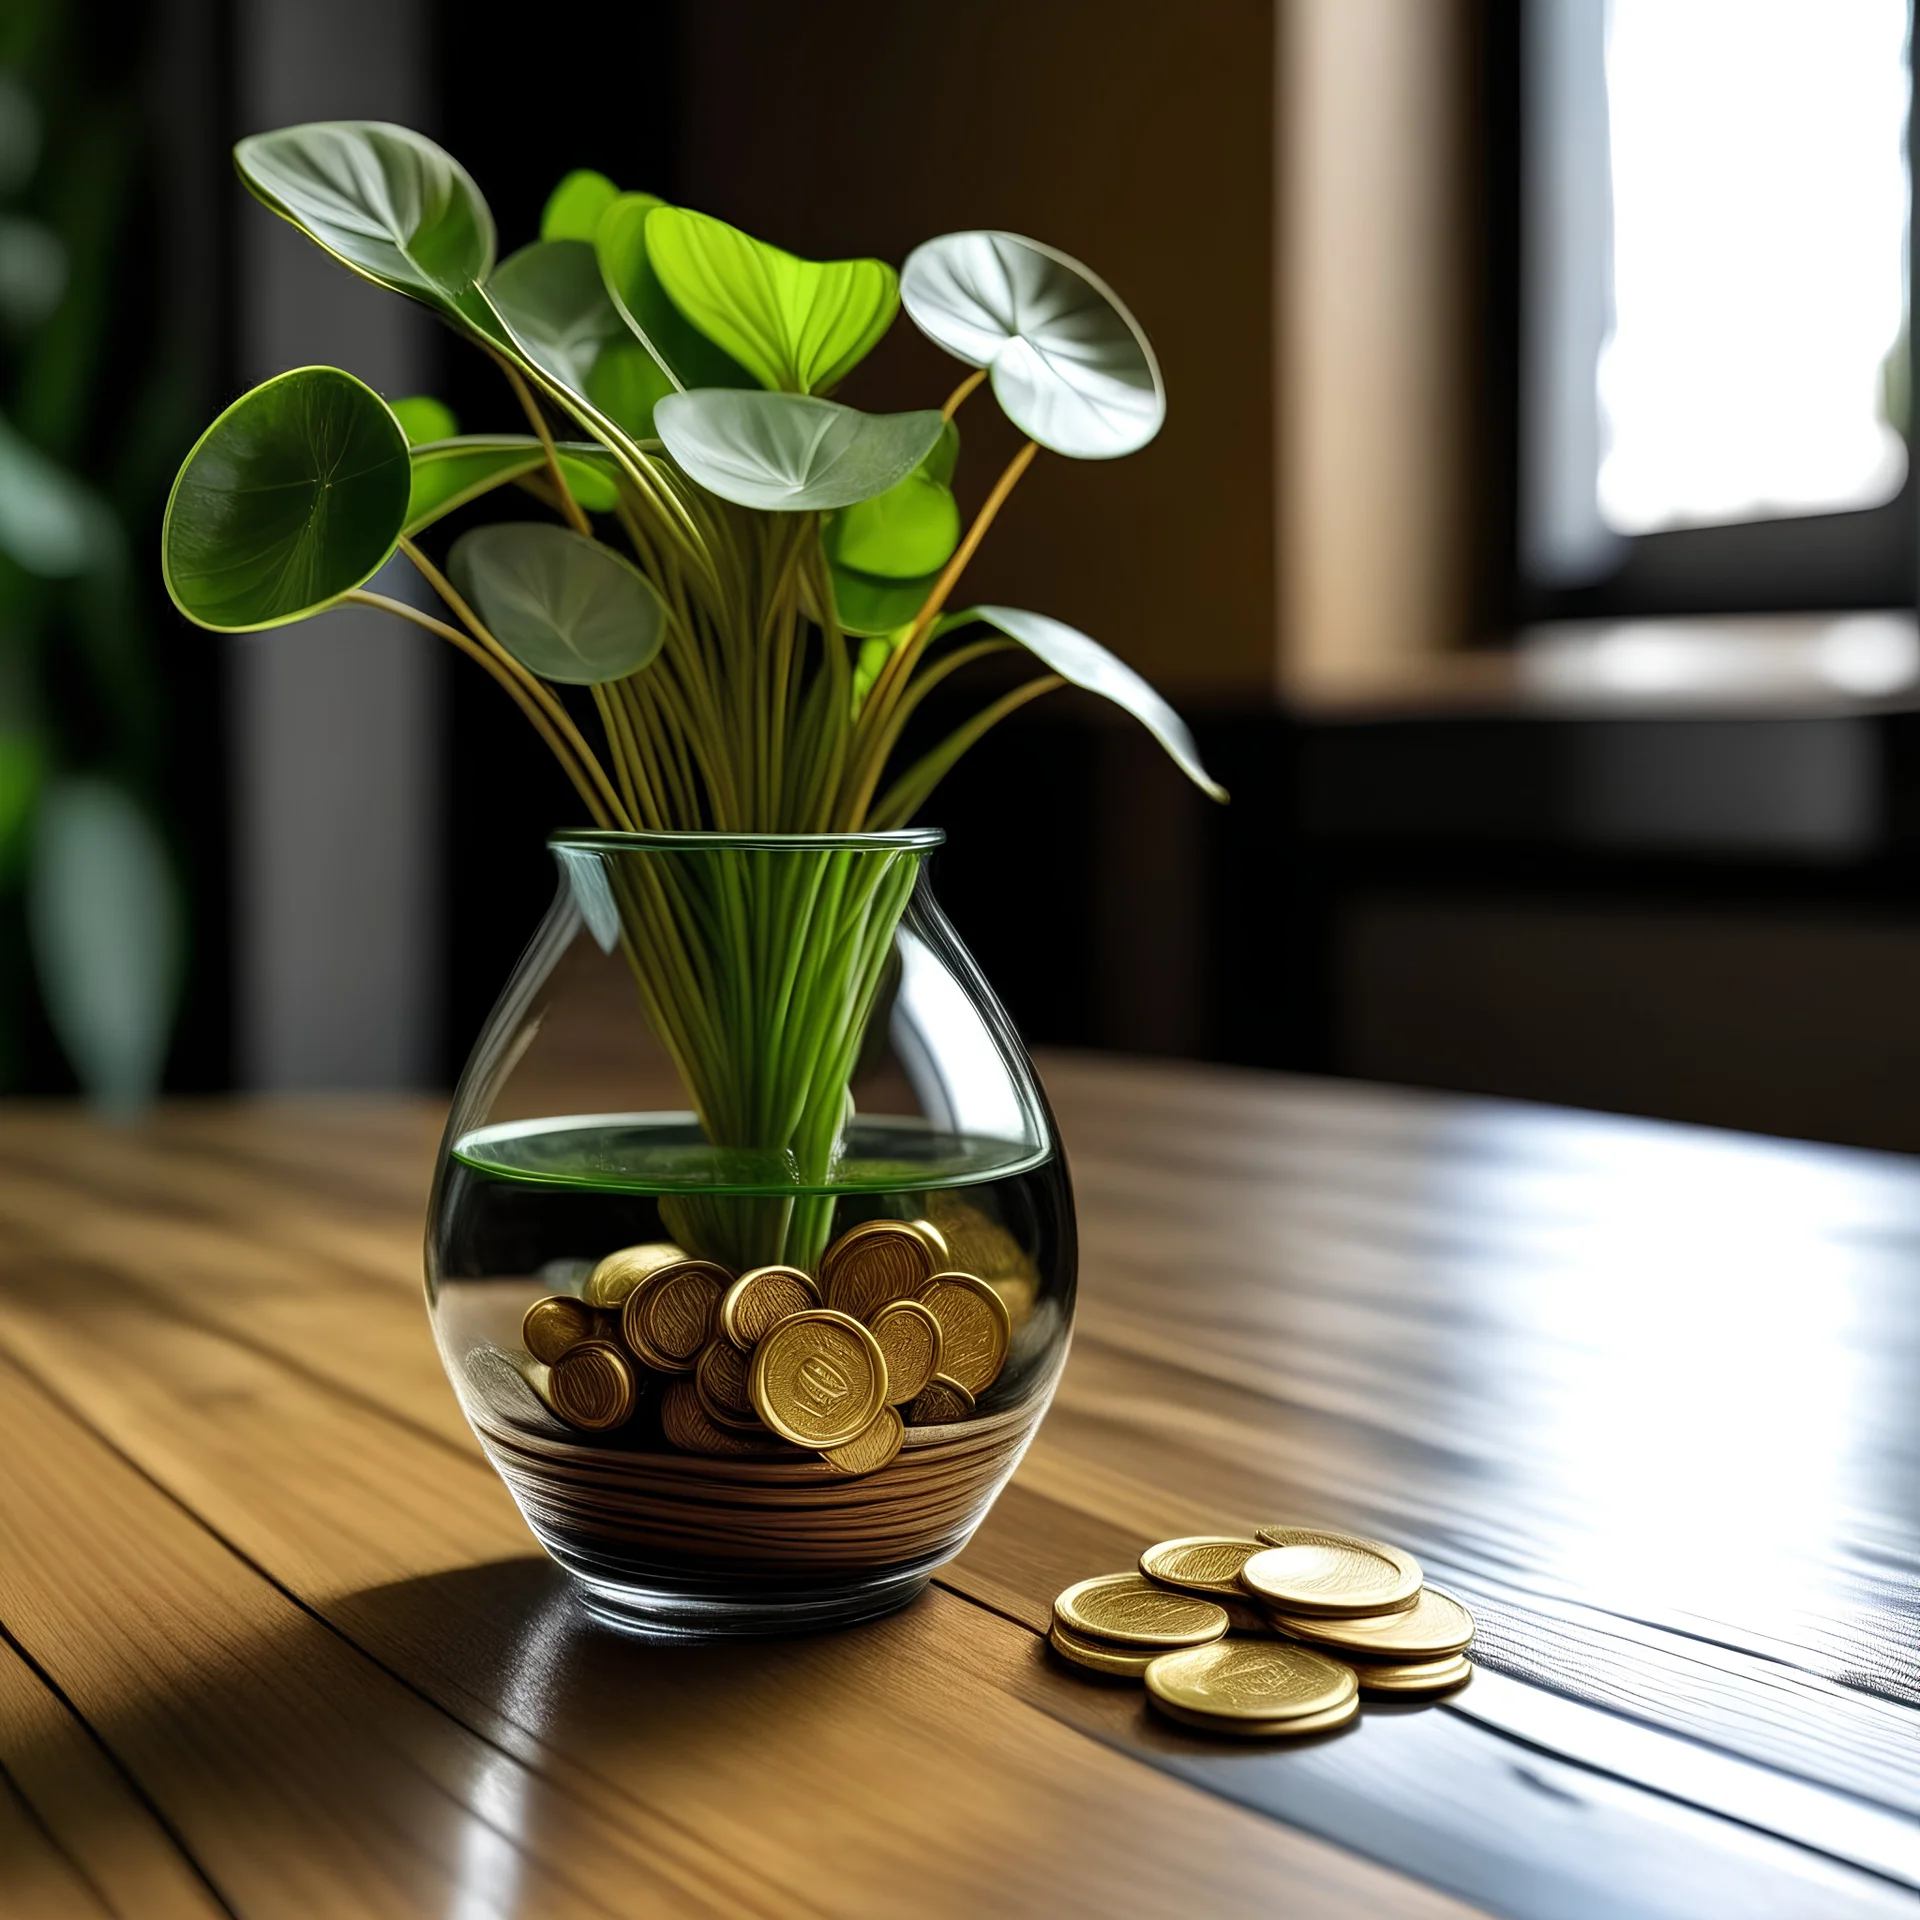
529 1208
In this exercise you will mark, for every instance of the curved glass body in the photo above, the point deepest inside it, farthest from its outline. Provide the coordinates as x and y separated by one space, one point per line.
751 1251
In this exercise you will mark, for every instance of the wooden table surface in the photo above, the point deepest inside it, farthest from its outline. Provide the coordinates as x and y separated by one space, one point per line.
276 1642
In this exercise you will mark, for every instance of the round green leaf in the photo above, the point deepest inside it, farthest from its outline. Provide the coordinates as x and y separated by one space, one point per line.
565 606
798 326
788 452
556 308
574 207
869 608
1086 663
297 493
902 534
1070 366
386 202
685 354
424 419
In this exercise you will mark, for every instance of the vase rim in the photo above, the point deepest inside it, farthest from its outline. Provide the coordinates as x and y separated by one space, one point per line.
609 840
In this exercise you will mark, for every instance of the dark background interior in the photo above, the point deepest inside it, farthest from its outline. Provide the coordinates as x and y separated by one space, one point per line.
1707 918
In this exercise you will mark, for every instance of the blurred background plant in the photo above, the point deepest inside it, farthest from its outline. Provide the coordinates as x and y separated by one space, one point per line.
91 922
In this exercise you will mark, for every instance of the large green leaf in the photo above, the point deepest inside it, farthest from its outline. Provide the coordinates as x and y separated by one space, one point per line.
565 606
298 492
386 202
559 314
787 452
574 207
104 914
798 326
1071 368
681 350
1086 663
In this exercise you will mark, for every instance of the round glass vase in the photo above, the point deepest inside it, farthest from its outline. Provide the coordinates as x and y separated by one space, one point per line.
742 1096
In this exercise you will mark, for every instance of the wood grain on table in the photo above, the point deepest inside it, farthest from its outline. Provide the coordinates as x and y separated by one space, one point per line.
276 1641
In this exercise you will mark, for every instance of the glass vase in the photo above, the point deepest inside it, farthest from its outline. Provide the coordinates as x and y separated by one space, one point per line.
751 1249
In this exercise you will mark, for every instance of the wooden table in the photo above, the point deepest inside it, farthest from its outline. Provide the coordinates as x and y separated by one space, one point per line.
277 1643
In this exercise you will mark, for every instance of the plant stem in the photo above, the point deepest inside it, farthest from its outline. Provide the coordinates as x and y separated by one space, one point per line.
957 398
534 685
886 689
531 708
576 514
909 793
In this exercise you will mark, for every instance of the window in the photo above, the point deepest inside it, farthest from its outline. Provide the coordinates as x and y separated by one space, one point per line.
1713 293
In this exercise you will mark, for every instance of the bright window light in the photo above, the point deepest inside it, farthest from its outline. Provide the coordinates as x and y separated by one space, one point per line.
1759 235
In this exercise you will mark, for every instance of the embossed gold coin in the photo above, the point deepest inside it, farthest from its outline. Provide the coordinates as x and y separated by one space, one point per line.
974 1328
689 1426
670 1315
909 1336
720 1379
1435 1627
1255 1682
1202 1563
939 1403
760 1299
818 1379
1102 1656
1130 1609
1413 1676
936 1243
619 1273
877 1261
591 1386
868 1452
1317 1573
554 1324
977 1243
1294 1727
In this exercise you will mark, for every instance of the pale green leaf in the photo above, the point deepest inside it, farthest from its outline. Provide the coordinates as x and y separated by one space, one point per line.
1070 365
1084 662
564 606
788 453
386 202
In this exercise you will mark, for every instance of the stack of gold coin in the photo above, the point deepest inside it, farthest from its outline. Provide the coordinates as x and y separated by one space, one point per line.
1119 1623
1275 1634
891 1334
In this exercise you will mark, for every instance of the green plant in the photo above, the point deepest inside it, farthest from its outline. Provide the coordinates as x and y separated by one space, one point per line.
84 871
751 579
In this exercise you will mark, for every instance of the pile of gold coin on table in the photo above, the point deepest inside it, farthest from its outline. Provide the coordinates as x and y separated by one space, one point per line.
888 1334
1278 1634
